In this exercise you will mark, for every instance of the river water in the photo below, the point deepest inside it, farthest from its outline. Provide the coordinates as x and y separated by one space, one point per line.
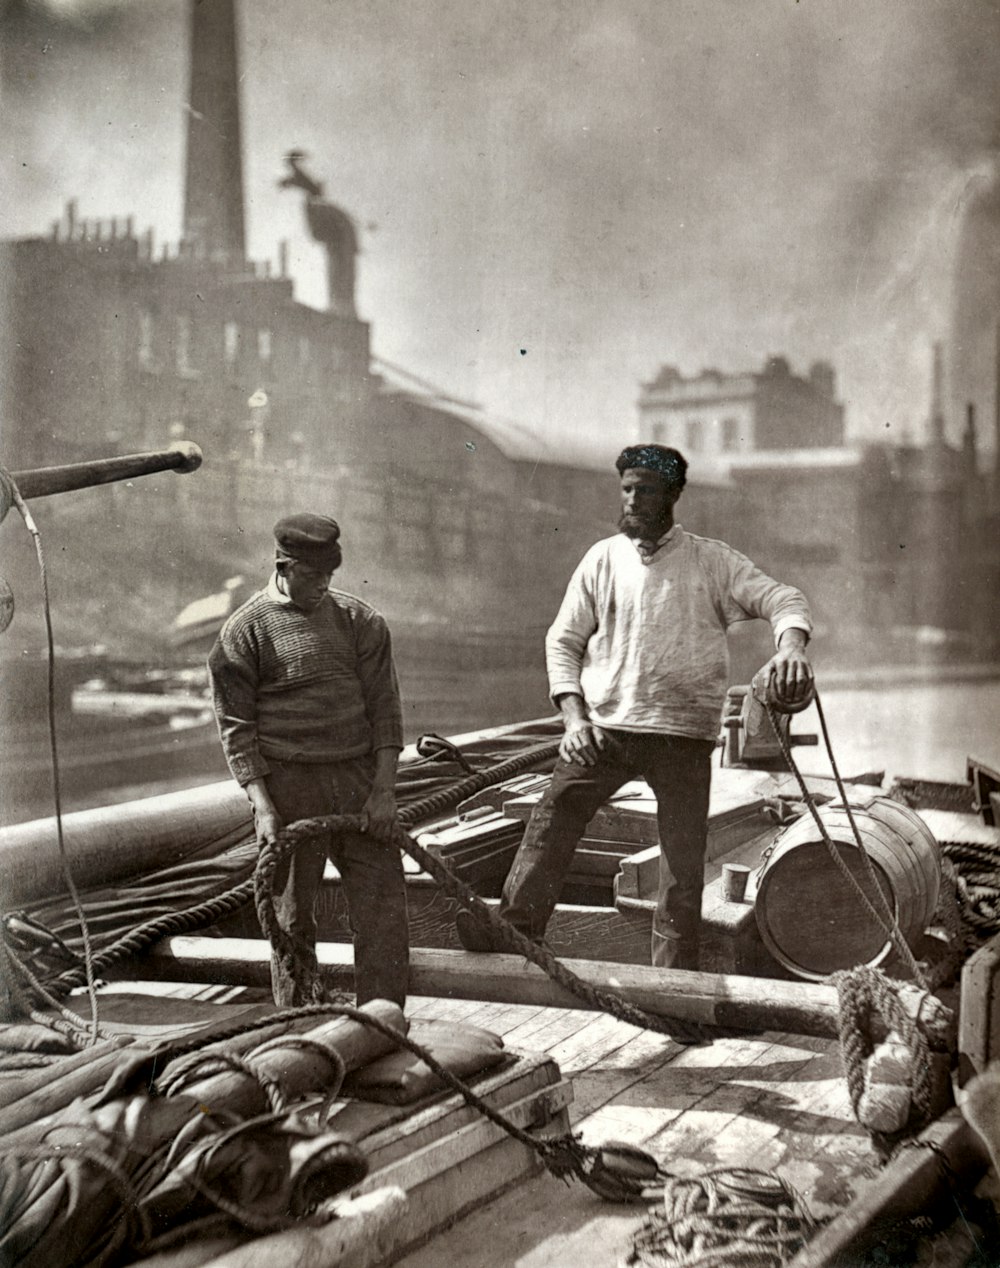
924 730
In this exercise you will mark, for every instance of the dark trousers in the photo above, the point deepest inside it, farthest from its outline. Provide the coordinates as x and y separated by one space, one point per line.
679 772
371 874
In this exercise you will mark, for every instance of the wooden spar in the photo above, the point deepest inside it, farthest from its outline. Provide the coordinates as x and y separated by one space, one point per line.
40 482
110 843
361 1232
727 1001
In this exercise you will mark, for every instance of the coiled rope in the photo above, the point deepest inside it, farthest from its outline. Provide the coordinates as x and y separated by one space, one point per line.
723 1219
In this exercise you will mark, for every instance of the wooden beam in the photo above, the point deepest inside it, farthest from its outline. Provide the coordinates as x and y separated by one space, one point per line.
979 1011
362 1232
110 843
732 1002
910 1183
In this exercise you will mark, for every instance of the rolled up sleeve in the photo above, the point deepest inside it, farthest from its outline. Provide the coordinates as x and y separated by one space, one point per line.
568 636
752 593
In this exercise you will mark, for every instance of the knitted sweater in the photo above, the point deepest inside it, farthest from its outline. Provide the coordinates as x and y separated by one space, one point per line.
302 686
645 643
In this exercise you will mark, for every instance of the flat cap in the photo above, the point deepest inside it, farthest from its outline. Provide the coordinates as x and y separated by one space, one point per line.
310 539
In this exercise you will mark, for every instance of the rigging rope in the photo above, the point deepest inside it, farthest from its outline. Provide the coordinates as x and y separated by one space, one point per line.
36 537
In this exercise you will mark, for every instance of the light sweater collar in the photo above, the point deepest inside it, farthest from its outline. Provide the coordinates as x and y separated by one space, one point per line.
648 553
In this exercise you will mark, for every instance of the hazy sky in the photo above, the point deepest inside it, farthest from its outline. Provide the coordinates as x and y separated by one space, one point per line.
605 184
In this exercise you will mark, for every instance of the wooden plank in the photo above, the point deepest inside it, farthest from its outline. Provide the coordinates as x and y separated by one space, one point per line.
362 1234
582 1048
727 1001
516 1018
639 874
620 1070
448 1177
410 1156
533 1032
766 1115
979 1011
907 1186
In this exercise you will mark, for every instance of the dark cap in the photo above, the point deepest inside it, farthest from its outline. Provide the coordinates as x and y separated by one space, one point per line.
310 539
670 463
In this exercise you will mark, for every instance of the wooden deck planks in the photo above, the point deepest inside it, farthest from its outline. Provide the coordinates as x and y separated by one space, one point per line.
774 1102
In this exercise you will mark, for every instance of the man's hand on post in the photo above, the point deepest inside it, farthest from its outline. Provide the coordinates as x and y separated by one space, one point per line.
790 670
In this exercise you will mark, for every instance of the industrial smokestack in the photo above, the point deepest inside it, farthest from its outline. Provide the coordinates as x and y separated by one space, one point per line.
213 191
937 396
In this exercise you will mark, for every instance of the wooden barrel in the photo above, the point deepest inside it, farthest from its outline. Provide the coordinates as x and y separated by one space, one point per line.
811 917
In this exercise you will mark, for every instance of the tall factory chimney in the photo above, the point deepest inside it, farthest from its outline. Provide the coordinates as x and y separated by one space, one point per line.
937 397
213 188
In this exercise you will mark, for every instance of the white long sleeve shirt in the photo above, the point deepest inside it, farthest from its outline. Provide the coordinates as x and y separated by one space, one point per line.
644 643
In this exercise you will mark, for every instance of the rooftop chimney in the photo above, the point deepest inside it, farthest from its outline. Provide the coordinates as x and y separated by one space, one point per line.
213 191
937 397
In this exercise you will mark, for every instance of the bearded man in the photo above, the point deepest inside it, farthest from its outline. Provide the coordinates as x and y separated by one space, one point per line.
638 666
308 708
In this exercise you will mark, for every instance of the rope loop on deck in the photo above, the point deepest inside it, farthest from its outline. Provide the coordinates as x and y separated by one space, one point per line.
865 993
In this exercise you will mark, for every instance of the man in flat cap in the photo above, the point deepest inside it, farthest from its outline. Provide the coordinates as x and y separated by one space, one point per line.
638 663
309 715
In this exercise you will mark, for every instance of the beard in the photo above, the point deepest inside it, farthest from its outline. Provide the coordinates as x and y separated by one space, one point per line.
646 528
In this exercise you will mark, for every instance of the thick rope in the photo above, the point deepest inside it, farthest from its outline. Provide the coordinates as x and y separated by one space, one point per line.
863 993
305 829
978 884
140 939
723 1219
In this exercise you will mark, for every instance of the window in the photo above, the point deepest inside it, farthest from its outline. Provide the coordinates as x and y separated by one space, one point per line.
264 346
730 435
147 330
692 434
183 347
231 343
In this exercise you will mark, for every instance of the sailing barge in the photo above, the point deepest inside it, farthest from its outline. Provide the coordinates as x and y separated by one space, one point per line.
792 1104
